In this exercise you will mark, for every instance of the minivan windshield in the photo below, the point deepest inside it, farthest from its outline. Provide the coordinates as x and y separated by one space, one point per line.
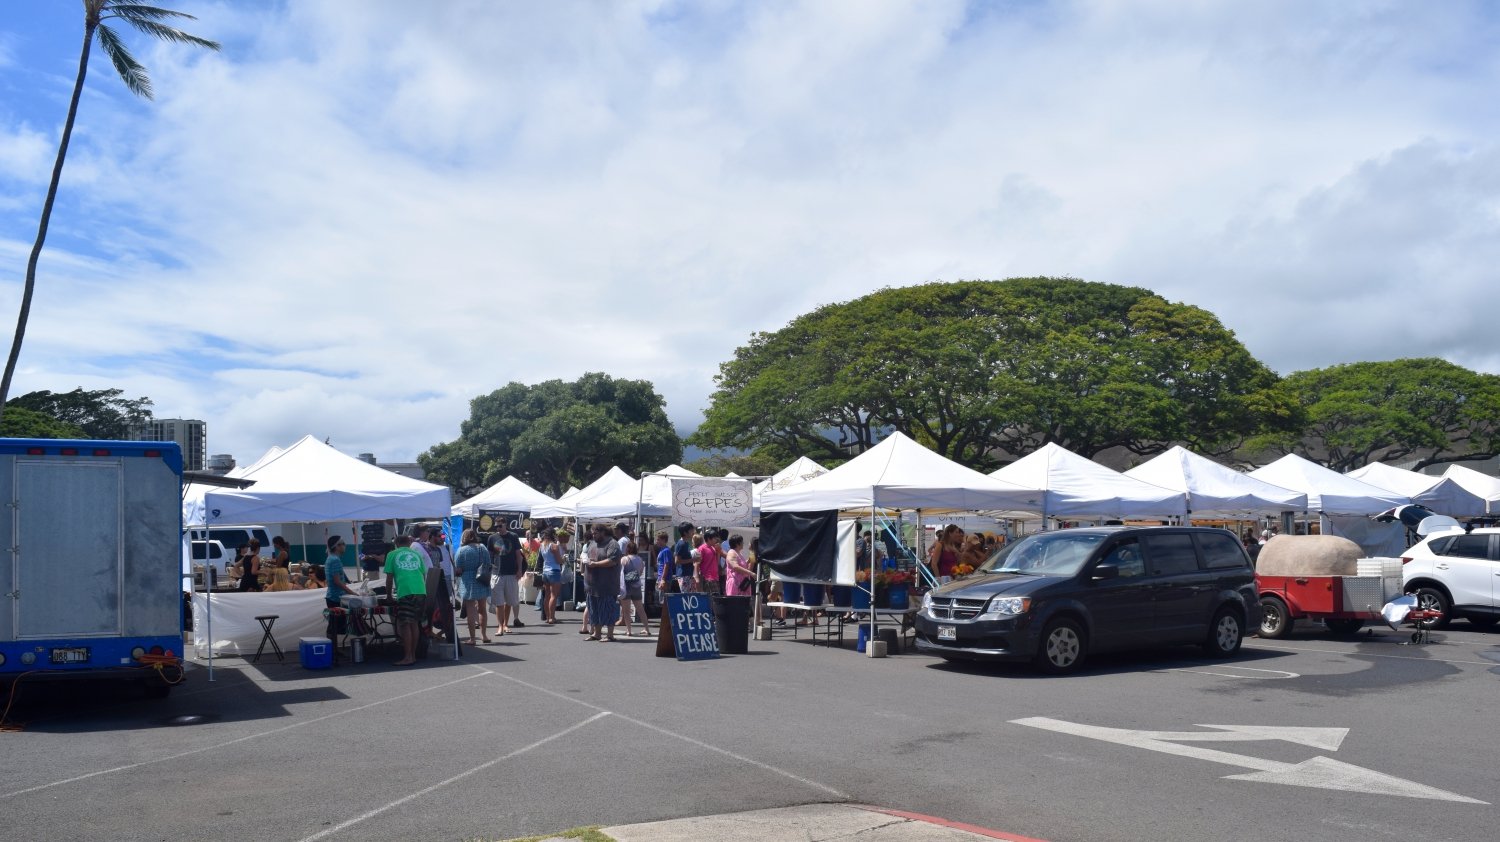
1045 554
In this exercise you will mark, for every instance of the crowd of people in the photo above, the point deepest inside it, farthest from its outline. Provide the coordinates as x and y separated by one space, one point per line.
275 574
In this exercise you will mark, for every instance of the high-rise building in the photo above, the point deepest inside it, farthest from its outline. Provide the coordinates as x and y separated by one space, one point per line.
190 434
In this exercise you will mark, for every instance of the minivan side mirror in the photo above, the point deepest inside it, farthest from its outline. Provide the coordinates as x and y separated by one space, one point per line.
1104 571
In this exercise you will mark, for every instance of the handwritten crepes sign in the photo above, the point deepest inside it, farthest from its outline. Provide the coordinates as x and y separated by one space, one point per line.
712 502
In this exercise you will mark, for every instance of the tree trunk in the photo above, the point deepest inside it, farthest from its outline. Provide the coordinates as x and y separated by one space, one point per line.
41 234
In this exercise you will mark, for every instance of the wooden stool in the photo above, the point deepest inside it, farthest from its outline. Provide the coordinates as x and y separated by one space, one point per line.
266 622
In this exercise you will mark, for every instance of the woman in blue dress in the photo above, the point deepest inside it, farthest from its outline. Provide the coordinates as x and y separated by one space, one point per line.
472 567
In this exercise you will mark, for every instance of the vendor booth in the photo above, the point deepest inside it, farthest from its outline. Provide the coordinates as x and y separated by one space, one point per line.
896 474
309 482
507 495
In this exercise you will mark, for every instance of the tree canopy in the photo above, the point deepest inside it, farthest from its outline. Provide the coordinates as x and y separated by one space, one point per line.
22 423
98 414
1425 410
554 434
975 367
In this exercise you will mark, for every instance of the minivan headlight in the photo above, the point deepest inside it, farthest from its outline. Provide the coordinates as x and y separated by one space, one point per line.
927 602
1006 606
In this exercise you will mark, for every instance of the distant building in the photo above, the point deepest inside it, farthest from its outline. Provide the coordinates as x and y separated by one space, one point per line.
221 463
411 470
190 434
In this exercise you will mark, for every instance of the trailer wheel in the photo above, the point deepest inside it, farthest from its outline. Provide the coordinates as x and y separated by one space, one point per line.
1344 628
1275 620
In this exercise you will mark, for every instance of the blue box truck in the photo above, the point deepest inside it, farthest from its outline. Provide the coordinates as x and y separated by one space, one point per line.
91 581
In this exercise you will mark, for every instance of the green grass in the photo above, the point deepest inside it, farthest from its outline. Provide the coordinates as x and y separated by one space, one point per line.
584 834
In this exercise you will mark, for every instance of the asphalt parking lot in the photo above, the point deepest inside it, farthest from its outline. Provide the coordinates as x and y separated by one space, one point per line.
1310 738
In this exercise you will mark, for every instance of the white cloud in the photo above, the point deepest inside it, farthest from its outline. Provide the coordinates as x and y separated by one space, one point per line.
352 224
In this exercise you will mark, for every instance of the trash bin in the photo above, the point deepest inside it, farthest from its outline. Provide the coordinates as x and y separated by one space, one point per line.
732 618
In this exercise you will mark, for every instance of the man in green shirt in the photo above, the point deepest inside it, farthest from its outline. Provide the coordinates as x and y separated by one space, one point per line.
406 579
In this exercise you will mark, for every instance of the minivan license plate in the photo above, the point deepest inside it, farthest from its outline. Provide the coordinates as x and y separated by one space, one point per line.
947 633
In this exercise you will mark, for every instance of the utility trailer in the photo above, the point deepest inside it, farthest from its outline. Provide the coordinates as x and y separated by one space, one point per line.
91 581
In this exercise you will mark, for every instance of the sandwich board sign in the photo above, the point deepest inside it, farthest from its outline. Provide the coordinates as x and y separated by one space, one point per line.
687 628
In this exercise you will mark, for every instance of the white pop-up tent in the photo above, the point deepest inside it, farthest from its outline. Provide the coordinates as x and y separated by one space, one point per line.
1074 486
1440 494
1328 492
898 473
1342 502
799 471
311 482
654 492
613 484
507 495
1483 486
1213 490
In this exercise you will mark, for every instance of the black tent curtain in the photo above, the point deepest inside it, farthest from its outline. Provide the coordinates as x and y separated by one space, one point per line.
800 545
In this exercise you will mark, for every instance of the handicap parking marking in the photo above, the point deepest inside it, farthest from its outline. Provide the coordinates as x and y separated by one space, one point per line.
1269 675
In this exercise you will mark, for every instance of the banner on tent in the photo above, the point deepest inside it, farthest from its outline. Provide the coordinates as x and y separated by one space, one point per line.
489 520
712 502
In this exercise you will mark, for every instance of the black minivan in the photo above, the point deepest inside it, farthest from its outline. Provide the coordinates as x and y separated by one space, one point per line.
1056 597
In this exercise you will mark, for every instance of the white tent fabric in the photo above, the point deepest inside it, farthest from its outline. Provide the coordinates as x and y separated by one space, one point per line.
507 495
1075 486
799 471
1479 484
311 482
1212 490
1441 494
1328 492
192 495
654 492
605 487
899 473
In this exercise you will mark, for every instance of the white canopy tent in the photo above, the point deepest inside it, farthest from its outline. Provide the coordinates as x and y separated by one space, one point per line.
1213 490
1342 502
611 484
799 471
311 482
1074 486
507 495
898 473
1440 494
1328 492
1483 486
654 492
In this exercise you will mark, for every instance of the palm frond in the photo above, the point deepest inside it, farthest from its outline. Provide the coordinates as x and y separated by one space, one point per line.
130 70
168 33
140 10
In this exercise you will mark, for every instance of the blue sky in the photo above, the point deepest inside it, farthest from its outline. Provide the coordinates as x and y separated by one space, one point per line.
351 223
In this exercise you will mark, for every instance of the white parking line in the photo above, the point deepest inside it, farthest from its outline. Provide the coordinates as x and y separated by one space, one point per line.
258 735
460 776
1275 675
699 743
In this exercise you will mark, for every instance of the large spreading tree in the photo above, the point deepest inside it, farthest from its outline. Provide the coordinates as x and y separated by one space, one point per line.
94 414
1426 411
555 434
979 369
96 16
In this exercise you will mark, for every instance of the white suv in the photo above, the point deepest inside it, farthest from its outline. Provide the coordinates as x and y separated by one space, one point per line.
1457 573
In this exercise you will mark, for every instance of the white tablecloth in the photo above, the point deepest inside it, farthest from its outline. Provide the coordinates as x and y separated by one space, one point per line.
236 631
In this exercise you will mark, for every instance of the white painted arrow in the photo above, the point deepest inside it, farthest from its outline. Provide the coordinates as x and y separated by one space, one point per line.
1319 772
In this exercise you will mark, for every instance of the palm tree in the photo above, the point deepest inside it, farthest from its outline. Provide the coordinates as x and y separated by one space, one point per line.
147 19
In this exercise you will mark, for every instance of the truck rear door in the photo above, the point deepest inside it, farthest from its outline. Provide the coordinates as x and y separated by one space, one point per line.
67 560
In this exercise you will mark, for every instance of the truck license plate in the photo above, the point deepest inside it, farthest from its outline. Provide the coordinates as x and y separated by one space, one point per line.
72 655
947 633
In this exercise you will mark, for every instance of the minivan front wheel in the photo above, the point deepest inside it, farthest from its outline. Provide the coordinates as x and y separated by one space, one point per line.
1225 633
1062 647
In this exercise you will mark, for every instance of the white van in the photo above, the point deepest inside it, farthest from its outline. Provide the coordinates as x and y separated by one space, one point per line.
234 537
